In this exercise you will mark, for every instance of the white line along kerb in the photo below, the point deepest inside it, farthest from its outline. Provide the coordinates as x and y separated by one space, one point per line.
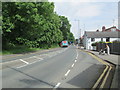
67 73
24 61
58 84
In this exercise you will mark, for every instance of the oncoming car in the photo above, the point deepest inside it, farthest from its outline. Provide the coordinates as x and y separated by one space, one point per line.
64 43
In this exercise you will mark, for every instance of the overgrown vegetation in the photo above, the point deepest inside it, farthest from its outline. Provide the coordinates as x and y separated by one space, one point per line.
94 44
116 41
33 25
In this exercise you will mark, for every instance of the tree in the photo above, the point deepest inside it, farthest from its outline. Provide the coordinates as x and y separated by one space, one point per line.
65 27
71 37
34 24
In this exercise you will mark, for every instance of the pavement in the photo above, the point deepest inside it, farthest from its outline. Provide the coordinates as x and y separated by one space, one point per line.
115 60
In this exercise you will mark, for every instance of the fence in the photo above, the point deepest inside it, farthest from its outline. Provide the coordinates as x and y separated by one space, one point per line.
114 47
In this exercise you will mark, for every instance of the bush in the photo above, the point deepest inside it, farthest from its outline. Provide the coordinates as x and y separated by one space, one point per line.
94 44
101 42
116 41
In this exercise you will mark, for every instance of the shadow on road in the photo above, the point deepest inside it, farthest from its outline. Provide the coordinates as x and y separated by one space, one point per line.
31 81
87 78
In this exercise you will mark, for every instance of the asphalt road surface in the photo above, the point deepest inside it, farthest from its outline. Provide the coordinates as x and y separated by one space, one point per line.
61 68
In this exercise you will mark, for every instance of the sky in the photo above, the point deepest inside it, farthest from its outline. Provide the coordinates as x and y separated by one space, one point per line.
88 15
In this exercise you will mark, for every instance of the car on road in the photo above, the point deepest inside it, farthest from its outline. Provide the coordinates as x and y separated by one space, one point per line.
64 43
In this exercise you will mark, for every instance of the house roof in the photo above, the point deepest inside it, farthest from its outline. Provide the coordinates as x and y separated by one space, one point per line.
103 34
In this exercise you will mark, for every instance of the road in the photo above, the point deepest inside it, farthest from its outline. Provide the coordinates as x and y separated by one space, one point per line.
61 68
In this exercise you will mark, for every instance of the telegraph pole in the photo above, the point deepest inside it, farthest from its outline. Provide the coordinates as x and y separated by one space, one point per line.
84 28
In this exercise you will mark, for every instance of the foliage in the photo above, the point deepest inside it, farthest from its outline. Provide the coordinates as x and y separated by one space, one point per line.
65 27
94 44
33 24
116 41
101 42
70 37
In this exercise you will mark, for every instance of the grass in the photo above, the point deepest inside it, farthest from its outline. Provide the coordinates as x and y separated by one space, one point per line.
19 50
23 50
54 46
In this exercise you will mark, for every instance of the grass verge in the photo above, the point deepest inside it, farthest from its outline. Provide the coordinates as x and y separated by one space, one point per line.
23 50
19 50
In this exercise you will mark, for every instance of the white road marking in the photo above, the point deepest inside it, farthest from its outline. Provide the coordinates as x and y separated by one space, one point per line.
29 64
22 66
38 57
73 65
77 55
33 62
24 61
33 56
58 84
75 60
40 60
67 73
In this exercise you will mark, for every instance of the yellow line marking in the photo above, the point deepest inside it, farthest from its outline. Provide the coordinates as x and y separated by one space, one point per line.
103 83
105 70
98 81
100 60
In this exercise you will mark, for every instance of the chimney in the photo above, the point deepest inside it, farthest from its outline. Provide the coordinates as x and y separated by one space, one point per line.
97 30
103 29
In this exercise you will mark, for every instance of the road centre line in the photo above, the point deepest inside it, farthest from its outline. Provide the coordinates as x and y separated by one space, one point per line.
67 72
75 60
58 84
24 61
77 55
73 65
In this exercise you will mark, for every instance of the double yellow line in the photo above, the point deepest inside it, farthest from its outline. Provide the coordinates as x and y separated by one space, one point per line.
106 71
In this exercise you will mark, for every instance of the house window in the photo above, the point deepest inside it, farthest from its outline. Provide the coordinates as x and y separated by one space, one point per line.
107 39
92 39
102 39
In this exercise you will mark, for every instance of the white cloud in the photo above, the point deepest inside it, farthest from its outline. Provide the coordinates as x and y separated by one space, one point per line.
116 22
89 10
78 9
